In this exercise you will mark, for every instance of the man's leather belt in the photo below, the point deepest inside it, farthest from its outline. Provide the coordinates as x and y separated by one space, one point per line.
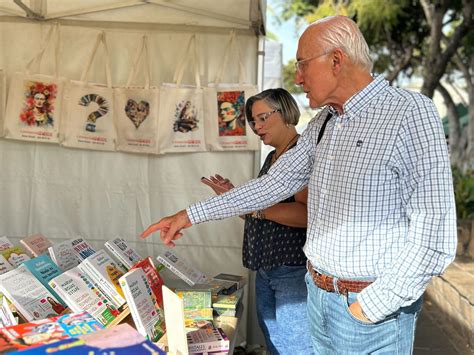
326 282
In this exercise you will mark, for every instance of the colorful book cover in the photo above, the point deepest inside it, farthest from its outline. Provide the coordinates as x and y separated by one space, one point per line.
64 255
106 273
45 331
123 252
4 265
32 300
82 248
146 313
179 267
80 294
15 256
36 244
228 301
119 340
153 276
44 269
5 243
207 340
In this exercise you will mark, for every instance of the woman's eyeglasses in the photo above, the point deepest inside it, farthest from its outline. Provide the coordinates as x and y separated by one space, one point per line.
262 118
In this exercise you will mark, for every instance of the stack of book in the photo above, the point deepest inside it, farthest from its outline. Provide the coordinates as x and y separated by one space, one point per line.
207 341
227 305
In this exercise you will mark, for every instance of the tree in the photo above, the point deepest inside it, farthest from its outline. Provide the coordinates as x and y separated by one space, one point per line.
408 37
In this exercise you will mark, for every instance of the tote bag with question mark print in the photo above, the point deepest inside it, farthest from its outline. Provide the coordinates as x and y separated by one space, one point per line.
89 110
136 111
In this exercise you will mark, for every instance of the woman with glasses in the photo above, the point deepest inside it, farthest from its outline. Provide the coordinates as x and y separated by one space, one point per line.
274 237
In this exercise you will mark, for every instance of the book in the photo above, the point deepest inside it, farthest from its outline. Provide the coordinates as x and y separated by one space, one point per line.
82 248
147 315
174 316
44 269
239 280
180 268
4 265
153 276
207 340
7 316
36 333
5 243
36 244
64 255
119 340
105 272
222 286
15 256
32 300
80 294
228 301
124 253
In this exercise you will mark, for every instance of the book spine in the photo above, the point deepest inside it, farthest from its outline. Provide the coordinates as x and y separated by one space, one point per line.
176 271
216 345
131 302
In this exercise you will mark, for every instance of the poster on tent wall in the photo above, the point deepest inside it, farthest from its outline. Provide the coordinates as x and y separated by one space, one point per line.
181 124
88 117
136 119
33 107
227 128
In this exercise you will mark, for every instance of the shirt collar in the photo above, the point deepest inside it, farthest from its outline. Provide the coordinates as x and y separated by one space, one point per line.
361 100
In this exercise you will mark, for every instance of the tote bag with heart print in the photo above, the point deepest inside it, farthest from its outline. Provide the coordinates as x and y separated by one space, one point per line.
35 100
136 111
227 128
181 126
89 109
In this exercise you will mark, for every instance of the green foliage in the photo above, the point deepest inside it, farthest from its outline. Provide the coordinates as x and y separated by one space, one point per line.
289 78
463 193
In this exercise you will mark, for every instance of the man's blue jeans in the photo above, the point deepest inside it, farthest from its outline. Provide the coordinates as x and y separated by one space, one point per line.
281 296
335 331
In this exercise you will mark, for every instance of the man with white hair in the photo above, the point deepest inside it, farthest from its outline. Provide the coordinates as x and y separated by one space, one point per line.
381 213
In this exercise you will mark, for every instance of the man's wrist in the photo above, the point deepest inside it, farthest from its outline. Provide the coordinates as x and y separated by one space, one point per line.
259 214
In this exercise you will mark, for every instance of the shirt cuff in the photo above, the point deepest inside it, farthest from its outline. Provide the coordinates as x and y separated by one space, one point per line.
197 213
375 306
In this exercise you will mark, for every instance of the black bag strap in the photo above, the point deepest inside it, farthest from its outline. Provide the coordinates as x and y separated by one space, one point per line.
323 127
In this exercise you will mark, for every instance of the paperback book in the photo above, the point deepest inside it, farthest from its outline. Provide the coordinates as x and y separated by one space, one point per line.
64 255
4 265
119 340
124 253
44 331
80 294
82 248
7 316
28 295
207 340
5 243
44 269
146 313
106 273
153 276
36 244
228 301
237 279
15 256
179 267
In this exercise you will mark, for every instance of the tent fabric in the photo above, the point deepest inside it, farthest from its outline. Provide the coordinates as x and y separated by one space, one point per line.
64 193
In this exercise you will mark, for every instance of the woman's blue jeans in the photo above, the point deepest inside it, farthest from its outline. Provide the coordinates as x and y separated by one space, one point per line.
335 331
281 296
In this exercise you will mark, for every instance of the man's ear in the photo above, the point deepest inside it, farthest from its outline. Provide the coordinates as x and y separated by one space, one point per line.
337 59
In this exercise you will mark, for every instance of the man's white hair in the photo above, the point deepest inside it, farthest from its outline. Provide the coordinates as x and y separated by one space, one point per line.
344 33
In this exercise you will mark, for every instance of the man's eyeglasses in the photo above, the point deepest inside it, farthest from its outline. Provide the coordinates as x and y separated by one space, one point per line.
299 64
263 117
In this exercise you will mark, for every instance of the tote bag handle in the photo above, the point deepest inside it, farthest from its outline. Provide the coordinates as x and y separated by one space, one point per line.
100 39
37 58
231 44
133 73
190 54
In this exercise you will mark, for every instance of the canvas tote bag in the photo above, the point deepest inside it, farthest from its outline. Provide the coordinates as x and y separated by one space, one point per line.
89 109
227 128
35 100
136 110
180 124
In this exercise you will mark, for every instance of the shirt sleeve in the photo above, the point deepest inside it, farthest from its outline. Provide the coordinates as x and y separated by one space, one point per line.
427 193
288 175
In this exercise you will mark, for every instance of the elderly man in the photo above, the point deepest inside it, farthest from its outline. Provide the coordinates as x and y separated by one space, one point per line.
381 215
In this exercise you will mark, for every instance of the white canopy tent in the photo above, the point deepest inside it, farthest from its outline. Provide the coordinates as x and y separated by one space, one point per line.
63 193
